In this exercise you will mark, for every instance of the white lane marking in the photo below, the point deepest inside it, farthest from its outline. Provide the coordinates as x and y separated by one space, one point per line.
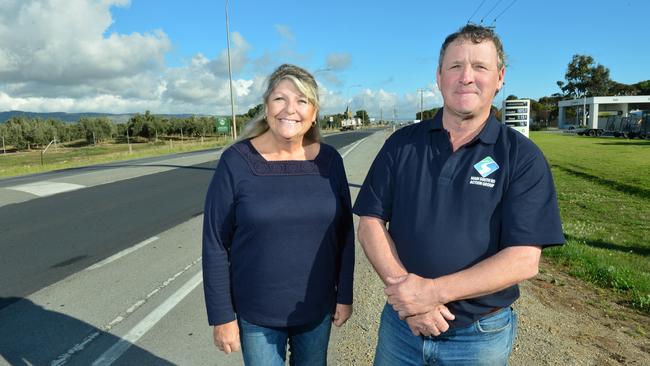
45 188
353 147
65 357
121 254
118 349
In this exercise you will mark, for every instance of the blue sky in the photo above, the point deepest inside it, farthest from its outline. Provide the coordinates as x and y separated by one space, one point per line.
168 56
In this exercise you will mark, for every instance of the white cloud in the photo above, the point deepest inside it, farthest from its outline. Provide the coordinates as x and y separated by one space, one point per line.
338 61
285 32
59 55
62 41
56 55
238 57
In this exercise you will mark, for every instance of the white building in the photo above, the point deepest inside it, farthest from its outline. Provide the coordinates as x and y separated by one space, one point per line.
596 105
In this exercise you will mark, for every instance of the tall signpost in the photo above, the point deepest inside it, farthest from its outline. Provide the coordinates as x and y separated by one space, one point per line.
516 114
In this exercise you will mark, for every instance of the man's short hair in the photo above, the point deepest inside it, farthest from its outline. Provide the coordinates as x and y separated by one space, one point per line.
476 34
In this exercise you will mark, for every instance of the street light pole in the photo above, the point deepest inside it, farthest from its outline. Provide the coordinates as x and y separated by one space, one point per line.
232 98
421 102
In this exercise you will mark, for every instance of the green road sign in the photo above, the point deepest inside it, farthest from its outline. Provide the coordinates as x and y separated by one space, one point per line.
223 125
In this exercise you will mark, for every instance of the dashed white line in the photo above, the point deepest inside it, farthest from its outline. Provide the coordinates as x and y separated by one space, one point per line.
118 349
65 357
121 254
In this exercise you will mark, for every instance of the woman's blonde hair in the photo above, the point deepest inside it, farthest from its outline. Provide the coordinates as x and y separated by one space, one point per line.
304 82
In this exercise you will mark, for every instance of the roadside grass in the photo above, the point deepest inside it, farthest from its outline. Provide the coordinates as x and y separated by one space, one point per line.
603 187
72 156
77 154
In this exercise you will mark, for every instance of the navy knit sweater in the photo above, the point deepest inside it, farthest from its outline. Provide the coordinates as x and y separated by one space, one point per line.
278 238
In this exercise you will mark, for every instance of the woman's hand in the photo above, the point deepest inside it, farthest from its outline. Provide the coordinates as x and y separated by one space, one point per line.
342 314
226 337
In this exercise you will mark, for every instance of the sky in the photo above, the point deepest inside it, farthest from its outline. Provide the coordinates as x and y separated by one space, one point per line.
121 56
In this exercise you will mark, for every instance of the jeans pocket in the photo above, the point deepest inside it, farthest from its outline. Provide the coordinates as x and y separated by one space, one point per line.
494 323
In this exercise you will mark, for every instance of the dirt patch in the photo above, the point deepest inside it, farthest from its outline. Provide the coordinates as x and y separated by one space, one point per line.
562 321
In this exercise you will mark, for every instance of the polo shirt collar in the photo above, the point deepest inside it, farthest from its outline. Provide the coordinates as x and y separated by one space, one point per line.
489 134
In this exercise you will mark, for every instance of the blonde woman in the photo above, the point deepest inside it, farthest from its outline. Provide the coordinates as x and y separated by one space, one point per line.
278 238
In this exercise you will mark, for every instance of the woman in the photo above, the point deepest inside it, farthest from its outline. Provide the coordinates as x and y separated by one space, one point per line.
278 239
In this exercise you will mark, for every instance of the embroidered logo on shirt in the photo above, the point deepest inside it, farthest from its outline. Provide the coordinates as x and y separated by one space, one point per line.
486 166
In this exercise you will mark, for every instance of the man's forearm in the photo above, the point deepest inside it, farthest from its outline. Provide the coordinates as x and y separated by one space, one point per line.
379 248
500 271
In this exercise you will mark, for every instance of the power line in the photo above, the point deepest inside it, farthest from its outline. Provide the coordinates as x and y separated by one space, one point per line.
475 11
504 10
488 13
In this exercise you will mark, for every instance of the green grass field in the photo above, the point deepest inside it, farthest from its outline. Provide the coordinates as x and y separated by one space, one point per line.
28 162
603 187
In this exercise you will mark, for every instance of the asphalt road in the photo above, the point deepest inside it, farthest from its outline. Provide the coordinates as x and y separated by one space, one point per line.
47 239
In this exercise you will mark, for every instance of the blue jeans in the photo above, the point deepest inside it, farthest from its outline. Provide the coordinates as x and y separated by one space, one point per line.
488 341
267 346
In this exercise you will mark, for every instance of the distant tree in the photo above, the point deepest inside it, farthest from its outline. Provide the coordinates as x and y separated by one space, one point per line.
363 115
426 114
549 107
254 111
512 97
204 126
623 89
97 129
14 133
643 87
137 126
584 77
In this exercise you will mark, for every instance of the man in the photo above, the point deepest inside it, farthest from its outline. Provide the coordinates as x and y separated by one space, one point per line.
471 204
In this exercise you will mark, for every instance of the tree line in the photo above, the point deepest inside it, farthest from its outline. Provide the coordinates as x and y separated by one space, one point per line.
24 133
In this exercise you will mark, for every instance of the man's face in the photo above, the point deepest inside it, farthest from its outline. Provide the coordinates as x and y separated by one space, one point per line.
469 77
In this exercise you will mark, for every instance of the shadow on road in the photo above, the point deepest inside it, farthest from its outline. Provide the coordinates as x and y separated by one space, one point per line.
33 335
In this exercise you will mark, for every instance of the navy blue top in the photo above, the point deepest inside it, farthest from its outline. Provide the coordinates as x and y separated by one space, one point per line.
450 210
278 238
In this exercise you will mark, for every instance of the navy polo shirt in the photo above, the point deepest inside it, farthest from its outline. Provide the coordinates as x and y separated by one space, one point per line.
447 211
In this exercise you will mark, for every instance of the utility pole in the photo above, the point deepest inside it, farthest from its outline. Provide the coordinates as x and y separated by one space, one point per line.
232 98
421 102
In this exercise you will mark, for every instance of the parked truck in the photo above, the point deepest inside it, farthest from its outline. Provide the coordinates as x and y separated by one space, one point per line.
349 124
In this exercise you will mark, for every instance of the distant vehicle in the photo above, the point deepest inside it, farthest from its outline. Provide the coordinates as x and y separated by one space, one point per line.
569 127
349 124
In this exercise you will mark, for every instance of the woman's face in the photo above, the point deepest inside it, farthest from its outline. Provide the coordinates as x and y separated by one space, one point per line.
288 112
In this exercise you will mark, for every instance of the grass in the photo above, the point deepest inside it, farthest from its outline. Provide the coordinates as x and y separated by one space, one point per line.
68 156
603 187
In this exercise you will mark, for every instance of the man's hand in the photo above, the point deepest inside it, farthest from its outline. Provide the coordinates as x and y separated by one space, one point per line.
411 295
341 314
226 337
432 323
